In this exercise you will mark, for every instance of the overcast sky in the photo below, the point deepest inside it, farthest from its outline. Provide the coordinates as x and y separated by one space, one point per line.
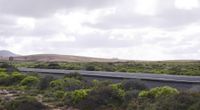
127 29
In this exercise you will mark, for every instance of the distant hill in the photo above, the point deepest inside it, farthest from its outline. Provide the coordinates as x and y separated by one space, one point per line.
6 53
62 58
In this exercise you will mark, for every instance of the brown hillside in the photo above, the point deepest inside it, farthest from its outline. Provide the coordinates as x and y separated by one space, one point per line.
62 58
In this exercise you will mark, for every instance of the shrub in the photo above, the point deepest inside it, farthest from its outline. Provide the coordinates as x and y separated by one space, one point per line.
67 84
74 75
195 106
98 84
90 68
72 84
2 70
76 96
59 94
57 84
4 78
24 103
182 101
129 95
45 82
9 68
104 96
159 91
17 77
30 81
117 87
53 66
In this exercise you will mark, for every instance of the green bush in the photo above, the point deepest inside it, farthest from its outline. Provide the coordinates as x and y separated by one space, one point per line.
182 101
30 81
17 77
2 70
45 82
90 67
130 95
67 84
101 97
59 94
4 78
57 84
53 66
74 75
159 91
76 96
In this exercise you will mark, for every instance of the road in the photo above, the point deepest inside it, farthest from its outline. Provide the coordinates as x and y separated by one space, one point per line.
153 80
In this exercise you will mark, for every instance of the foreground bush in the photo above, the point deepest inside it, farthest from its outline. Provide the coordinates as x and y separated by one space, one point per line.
16 77
73 98
4 78
45 82
101 97
182 101
24 103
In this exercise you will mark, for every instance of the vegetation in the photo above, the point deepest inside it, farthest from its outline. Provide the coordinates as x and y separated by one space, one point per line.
160 67
24 103
32 92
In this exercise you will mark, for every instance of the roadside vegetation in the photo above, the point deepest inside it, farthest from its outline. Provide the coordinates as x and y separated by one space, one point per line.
163 67
72 92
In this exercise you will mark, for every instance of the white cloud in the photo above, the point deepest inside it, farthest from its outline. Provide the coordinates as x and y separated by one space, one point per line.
146 7
187 4
128 29
26 23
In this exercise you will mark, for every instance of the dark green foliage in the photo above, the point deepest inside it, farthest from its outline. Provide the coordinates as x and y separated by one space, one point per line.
30 81
16 78
4 78
59 94
67 84
182 101
90 68
74 75
104 96
53 66
24 103
129 95
74 97
45 82
9 68
10 79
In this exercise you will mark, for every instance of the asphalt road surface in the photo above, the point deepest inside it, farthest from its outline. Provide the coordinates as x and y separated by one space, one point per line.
151 80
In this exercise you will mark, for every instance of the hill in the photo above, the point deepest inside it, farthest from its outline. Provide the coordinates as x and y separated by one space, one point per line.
6 53
62 58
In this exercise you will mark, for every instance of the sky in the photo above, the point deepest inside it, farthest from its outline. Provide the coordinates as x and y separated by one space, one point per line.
125 29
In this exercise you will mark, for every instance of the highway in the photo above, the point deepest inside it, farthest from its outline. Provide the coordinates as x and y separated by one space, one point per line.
152 80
